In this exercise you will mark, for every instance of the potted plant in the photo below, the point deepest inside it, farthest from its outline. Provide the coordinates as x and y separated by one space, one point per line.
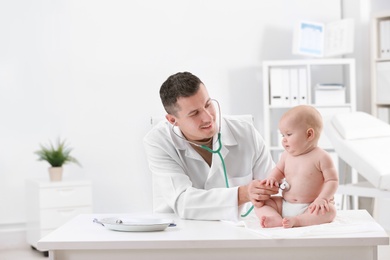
56 156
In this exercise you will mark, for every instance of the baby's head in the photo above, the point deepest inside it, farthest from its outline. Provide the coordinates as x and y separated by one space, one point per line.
306 118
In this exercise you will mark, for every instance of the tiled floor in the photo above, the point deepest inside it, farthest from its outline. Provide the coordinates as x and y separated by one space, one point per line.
26 253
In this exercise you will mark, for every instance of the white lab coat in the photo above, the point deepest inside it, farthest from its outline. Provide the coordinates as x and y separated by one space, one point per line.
185 184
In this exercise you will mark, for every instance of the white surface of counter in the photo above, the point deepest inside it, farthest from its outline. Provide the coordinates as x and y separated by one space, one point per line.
80 238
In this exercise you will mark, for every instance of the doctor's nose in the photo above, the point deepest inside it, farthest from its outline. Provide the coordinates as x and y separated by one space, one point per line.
207 115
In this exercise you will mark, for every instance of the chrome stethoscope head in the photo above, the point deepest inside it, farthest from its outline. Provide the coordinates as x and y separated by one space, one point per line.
284 185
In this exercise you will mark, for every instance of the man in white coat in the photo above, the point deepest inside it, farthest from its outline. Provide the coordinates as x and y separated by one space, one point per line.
193 181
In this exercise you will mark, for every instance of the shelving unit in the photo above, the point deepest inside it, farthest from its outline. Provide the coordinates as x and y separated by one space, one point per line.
380 65
313 72
317 71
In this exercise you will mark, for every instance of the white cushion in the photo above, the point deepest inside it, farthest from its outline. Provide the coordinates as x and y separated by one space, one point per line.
359 125
363 142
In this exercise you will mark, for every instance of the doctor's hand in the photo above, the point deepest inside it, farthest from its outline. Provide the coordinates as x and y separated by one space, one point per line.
259 191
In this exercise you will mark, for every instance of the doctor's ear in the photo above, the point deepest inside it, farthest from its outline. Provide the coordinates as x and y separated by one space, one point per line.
171 119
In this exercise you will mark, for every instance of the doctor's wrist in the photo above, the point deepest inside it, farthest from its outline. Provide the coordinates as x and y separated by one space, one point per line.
242 195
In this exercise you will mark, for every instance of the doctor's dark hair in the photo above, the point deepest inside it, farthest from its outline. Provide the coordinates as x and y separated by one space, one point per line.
181 84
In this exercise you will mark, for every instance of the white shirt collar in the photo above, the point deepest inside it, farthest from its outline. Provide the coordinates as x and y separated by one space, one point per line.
181 143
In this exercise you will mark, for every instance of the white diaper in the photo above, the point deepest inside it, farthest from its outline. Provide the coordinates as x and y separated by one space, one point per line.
293 209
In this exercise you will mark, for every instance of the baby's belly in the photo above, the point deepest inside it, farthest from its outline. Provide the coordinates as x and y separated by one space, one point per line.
298 197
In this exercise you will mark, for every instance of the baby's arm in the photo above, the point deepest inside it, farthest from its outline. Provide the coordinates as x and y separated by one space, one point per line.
329 188
276 175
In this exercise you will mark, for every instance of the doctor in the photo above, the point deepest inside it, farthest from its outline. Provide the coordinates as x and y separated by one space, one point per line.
190 180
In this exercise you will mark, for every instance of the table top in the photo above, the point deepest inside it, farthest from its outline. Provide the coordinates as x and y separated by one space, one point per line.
82 233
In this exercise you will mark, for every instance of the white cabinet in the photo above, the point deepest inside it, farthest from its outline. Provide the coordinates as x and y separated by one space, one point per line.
51 204
327 84
380 66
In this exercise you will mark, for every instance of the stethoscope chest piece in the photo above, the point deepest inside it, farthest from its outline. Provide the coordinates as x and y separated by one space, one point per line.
284 186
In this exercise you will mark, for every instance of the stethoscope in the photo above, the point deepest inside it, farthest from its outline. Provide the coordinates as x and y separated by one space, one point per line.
218 151
283 186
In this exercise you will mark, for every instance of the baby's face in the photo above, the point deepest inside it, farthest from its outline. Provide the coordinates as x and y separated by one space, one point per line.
294 135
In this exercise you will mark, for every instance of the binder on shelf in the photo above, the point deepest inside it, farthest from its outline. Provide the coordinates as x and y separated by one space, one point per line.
276 87
286 87
384 39
387 39
302 81
294 87
381 40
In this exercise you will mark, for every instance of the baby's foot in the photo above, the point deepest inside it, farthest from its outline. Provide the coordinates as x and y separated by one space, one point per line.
288 222
269 222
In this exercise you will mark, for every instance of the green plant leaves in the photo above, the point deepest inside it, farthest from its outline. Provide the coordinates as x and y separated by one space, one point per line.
57 155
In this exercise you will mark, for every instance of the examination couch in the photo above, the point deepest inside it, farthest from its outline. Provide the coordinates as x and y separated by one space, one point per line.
363 142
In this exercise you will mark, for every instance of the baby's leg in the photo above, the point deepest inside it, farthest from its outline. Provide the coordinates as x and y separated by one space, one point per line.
309 219
270 213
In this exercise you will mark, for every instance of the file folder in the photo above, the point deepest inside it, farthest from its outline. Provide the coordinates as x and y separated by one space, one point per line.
294 87
276 87
286 87
302 86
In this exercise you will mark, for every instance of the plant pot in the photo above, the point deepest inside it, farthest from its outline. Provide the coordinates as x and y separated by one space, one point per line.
55 173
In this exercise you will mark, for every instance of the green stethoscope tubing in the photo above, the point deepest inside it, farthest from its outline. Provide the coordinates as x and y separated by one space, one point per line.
218 151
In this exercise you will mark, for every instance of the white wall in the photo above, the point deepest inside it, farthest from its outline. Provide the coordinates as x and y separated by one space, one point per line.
90 70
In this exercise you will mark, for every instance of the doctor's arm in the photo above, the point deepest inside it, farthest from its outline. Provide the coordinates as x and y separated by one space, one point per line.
258 191
169 173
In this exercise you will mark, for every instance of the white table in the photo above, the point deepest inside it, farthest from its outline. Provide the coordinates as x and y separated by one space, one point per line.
80 238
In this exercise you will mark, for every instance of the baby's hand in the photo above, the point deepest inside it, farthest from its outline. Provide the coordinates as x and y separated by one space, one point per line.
270 182
319 205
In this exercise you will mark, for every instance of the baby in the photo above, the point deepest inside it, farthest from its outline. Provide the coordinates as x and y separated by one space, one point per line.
311 177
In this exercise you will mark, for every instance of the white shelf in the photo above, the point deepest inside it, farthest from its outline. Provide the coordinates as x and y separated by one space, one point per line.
379 87
381 59
317 106
307 62
340 70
